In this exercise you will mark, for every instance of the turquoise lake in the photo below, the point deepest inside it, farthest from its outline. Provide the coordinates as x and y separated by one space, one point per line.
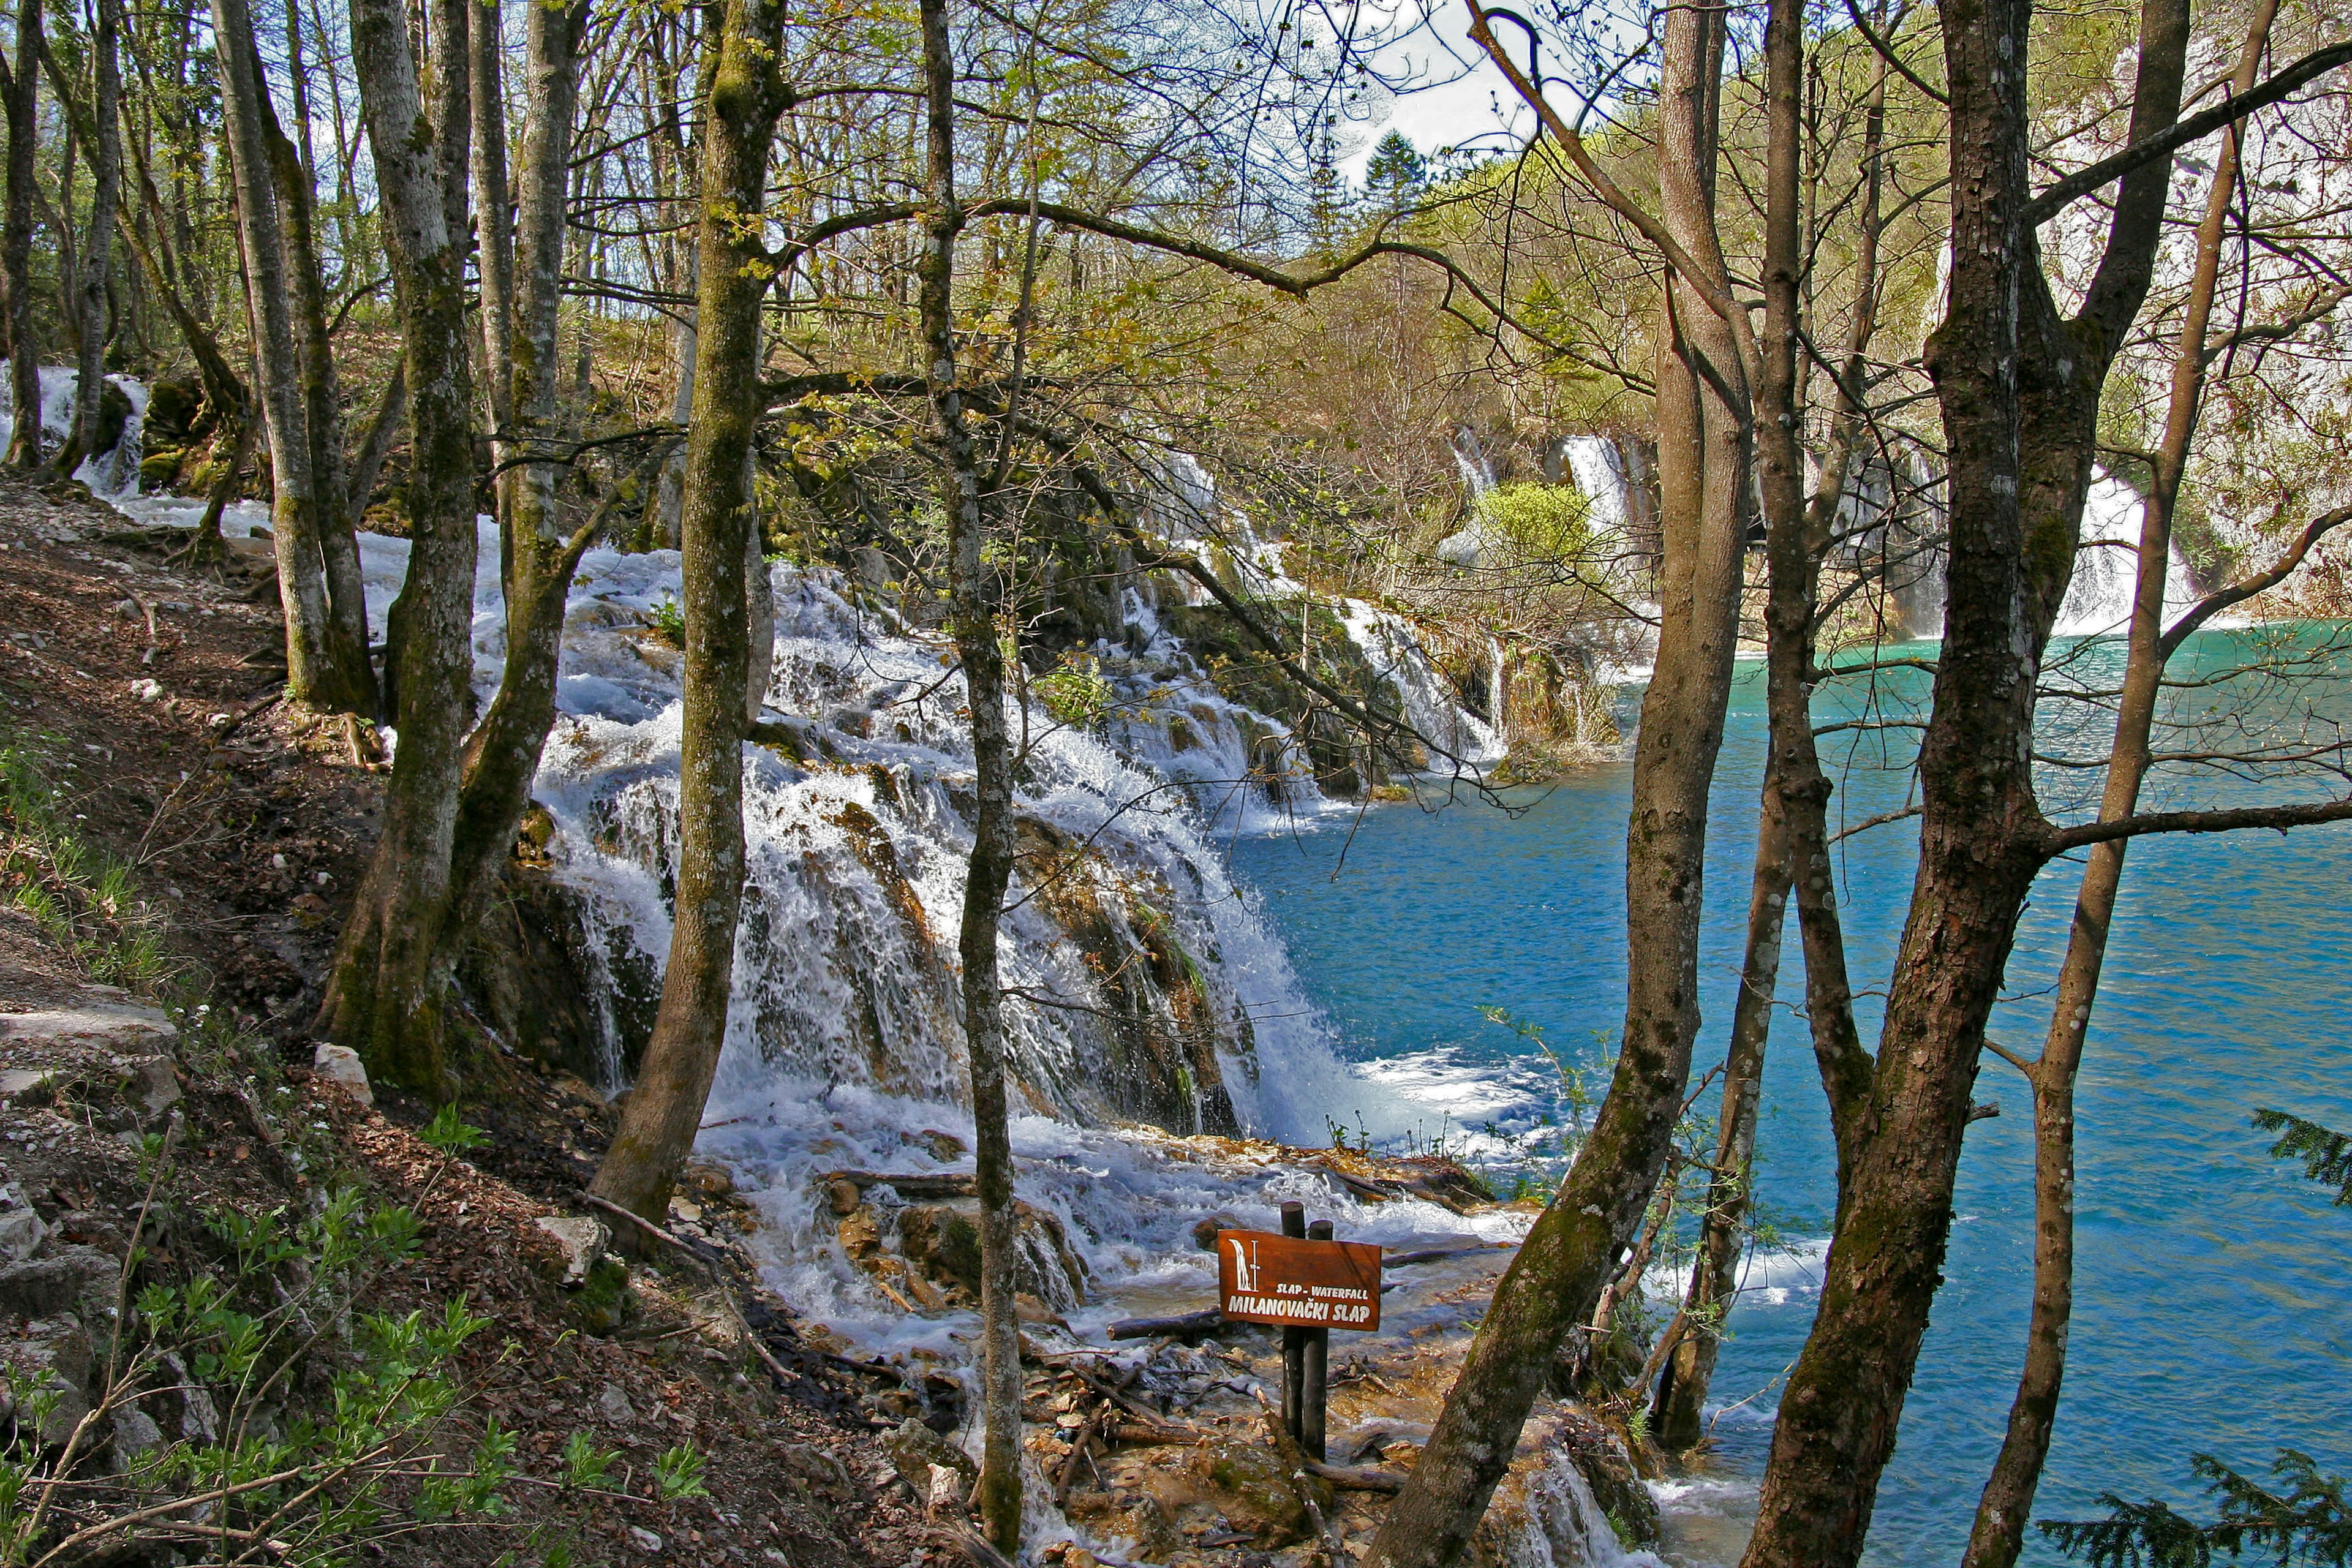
2214 1285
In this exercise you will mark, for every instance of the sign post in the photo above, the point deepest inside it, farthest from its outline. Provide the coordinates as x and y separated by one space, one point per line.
1306 1284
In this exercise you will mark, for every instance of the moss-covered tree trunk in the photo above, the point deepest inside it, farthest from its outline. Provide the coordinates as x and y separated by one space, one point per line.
1570 1255
747 92
2019 389
502 757
314 672
384 998
24 107
1999 1532
973 595
96 271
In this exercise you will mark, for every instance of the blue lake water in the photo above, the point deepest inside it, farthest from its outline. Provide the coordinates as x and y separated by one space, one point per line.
2214 1286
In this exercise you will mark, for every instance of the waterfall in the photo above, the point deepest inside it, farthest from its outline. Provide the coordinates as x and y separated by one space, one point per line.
2106 566
1388 641
1600 475
1563 1525
111 475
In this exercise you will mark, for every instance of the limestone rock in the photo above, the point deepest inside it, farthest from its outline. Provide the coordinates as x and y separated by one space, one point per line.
72 1278
1249 1484
99 1023
135 1435
915 1450
52 1356
341 1066
583 1241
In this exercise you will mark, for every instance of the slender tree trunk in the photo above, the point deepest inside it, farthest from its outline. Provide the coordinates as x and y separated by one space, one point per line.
2002 1511
382 999
1570 1255
974 595
313 673
97 268
1681 1400
2019 390
747 92
494 259
1792 821
502 757
24 95
322 408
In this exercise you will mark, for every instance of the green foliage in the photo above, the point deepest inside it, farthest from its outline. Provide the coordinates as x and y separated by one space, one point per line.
2327 1155
451 1135
585 1465
1538 522
2306 1519
1075 693
83 899
361 1454
667 620
678 1474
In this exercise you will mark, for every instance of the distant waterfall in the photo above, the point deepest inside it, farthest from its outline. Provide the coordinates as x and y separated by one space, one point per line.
1599 473
2106 566
112 474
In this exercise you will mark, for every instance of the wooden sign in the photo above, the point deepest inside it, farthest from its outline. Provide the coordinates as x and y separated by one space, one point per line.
1298 1284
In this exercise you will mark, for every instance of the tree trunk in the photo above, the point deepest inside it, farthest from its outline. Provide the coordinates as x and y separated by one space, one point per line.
2019 390
1999 1532
96 271
747 92
323 409
1571 1253
502 758
973 595
313 673
1682 1394
494 255
24 90
1792 825
382 999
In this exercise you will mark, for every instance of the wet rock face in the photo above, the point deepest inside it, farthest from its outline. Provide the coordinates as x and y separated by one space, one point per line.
927 1255
1159 1029
1248 1485
527 975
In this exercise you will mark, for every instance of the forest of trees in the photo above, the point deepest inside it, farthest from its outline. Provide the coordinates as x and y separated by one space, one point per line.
959 282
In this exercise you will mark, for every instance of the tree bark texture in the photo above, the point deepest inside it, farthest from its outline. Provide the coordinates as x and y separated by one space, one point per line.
747 94
17 240
502 756
2002 1511
1571 1252
97 272
973 597
384 999
2019 391
313 674
322 415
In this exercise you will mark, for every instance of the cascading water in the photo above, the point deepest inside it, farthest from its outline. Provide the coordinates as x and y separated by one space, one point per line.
1389 643
2106 566
112 474
1599 476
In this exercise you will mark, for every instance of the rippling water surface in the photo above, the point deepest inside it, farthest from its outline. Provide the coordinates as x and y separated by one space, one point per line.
2214 1306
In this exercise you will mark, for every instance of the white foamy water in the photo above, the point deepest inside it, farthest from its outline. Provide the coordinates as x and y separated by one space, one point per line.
112 474
2106 566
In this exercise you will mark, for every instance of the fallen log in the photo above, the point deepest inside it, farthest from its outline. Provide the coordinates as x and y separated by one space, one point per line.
1190 1325
909 1184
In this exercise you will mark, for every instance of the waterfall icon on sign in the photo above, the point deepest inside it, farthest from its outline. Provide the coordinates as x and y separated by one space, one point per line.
1244 1266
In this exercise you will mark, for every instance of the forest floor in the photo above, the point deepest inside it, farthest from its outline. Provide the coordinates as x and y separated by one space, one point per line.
138 697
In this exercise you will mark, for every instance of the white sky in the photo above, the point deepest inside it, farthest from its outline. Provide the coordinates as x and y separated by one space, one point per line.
1460 107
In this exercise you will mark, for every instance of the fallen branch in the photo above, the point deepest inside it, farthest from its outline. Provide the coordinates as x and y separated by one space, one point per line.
909 1184
1190 1325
